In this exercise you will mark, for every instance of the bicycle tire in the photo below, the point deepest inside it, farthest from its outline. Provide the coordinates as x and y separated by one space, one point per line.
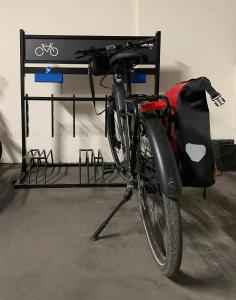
114 138
165 242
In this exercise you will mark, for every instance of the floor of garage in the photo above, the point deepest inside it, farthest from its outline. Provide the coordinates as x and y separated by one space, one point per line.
45 251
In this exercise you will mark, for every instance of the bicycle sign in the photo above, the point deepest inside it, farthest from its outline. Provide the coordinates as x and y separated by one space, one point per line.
53 51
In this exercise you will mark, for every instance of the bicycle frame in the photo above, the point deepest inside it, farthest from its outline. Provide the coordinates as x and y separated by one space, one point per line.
128 148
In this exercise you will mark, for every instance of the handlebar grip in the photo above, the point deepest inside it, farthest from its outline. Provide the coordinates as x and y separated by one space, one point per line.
140 43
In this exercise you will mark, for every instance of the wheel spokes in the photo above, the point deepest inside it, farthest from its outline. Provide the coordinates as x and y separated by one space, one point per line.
152 200
157 219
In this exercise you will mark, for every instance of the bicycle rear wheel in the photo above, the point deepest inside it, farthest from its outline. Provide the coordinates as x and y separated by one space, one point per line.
160 215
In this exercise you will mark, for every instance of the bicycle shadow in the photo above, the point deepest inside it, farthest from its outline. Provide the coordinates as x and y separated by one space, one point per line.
89 127
10 198
7 194
89 123
210 282
213 247
10 147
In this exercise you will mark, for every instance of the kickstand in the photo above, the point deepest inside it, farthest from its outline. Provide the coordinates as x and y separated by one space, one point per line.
127 196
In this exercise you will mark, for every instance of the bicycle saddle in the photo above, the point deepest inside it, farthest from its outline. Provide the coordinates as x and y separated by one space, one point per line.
129 56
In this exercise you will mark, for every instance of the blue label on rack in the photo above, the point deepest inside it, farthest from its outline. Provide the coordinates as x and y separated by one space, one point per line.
49 77
137 78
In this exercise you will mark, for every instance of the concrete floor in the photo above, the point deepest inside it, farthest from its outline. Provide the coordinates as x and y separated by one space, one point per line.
45 251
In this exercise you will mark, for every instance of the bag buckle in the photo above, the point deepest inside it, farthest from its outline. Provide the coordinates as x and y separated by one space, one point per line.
218 100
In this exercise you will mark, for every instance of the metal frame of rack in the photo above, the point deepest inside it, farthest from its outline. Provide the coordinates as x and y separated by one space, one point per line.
36 162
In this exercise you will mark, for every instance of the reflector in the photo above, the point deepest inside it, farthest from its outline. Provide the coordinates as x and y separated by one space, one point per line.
154 105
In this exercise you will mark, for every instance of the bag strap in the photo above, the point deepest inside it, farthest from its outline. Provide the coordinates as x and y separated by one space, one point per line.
91 85
215 96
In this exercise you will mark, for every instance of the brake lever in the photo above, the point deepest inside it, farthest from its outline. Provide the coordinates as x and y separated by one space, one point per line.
110 47
149 45
146 43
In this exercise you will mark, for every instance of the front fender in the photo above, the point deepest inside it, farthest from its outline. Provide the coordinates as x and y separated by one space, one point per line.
169 178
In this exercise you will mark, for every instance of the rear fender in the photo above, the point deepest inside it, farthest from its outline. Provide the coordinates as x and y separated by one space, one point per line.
169 178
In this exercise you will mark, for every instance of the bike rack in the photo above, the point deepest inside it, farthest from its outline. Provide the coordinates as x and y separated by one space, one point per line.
90 169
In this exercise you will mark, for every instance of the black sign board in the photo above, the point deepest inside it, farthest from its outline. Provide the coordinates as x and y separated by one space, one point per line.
61 49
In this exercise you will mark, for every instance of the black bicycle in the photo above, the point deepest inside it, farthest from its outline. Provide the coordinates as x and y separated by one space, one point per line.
141 150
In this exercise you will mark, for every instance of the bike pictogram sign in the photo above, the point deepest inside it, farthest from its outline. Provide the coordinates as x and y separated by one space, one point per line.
53 51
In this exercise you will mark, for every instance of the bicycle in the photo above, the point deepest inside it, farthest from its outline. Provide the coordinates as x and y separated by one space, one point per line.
53 51
141 151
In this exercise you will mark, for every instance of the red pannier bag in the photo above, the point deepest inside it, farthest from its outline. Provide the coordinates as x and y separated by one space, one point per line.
189 131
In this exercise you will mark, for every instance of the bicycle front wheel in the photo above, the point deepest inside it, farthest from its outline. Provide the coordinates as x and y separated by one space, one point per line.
114 137
160 215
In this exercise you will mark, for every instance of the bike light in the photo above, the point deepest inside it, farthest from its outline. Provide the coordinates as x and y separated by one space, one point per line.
154 105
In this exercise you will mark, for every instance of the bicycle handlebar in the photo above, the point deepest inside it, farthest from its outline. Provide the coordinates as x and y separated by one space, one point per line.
138 43
110 49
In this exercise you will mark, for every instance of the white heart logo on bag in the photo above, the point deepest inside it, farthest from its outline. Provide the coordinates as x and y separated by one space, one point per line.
195 152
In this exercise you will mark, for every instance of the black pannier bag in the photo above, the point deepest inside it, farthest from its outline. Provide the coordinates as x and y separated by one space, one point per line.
190 131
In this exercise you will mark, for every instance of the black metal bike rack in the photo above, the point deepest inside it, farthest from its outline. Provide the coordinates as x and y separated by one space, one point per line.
92 170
